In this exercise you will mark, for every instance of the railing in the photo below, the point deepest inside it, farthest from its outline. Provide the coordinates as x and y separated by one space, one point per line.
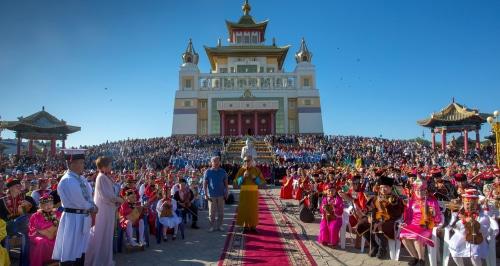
236 81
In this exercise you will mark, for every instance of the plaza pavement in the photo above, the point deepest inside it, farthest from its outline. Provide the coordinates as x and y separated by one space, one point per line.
201 247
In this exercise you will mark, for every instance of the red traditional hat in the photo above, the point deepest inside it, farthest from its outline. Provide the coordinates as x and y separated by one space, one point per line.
487 177
470 193
45 198
12 182
131 178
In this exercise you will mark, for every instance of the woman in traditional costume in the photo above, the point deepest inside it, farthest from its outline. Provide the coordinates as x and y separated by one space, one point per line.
332 209
421 215
42 231
166 208
287 187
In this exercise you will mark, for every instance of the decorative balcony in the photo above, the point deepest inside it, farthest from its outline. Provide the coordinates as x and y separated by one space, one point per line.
238 81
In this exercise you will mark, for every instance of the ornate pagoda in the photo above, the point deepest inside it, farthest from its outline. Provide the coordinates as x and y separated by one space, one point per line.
247 90
40 126
455 118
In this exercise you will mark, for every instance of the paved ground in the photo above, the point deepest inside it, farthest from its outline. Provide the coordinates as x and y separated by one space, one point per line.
204 248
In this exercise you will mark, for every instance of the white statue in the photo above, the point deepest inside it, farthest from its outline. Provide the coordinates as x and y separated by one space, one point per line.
248 150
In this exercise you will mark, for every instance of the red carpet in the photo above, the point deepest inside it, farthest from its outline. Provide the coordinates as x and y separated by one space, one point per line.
266 247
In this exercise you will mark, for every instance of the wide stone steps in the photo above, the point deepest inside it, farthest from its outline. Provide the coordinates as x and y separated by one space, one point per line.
233 151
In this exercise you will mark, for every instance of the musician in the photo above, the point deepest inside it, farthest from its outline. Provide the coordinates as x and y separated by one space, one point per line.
131 214
303 185
185 197
421 215
332 208
15 203
287 185
491 192
386 208
470 228
42 232
357 197
442 189
130 184
167 216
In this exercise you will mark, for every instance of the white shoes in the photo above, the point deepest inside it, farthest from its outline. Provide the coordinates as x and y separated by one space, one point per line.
211 229
133 243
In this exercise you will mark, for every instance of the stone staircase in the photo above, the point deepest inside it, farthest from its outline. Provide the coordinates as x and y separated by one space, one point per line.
232 152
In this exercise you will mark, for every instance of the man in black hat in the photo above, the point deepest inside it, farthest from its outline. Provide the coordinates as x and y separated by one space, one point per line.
78 205
16 205
385 209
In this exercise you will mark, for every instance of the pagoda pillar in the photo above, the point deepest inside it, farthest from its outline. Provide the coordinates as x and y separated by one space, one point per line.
466 141
64 144
256 123
53 147
433 139
478 140
223 123
30 148
272 123
18 146
239 123
443 140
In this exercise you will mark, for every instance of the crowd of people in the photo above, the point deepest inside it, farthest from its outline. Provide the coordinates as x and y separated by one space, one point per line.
398 191
155 184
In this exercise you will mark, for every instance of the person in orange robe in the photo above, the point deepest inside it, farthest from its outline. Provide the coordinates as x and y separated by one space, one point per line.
287 187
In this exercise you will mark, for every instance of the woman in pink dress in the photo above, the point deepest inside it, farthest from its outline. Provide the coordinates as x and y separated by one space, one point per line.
42 231
332 208
421 215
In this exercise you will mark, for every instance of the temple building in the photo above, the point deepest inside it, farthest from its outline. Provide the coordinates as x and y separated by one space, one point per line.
455 118
247 90
39 126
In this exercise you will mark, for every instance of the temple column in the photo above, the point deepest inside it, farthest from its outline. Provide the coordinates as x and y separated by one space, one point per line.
239 123
53 147
256 123
478 140
443 140
272 123
18 146
223 123
433 139
466 141
30 148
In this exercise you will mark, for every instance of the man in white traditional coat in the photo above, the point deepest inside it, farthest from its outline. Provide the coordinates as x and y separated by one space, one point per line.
248 150
475 248
78 206
100 247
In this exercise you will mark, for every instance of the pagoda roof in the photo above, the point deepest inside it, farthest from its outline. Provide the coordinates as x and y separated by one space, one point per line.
40 122
246 22
454 114
248 50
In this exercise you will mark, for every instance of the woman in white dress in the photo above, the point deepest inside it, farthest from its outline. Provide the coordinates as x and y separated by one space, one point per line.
166 208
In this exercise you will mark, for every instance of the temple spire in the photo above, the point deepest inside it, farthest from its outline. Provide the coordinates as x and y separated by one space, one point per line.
190 55
246 8
303 55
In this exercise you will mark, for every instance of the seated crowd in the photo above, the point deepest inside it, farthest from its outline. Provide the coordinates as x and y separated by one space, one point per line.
157 186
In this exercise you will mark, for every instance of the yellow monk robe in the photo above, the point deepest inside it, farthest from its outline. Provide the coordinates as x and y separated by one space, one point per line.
248 214
4 255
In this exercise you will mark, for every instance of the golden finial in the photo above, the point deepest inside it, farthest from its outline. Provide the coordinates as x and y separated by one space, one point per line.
246 8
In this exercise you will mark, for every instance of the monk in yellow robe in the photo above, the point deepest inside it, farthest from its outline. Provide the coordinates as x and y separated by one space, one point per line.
249 177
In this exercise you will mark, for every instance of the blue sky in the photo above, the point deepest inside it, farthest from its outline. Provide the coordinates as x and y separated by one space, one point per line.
381 65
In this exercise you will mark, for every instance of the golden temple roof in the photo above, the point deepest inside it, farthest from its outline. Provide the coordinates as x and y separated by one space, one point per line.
248 50
454 114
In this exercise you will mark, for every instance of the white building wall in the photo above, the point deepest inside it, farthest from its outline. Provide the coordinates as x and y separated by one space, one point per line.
184 124
310 123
